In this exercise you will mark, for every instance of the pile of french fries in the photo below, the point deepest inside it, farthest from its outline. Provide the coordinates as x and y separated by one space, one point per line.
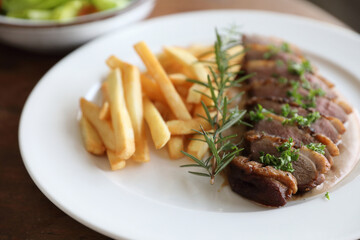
161 96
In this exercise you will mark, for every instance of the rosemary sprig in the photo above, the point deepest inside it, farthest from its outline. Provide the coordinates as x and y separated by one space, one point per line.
219 114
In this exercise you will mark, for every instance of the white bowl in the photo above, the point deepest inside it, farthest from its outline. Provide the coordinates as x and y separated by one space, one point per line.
49 36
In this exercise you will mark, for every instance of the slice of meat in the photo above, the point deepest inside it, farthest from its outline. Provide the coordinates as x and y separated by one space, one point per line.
321 126
273 89
275 127
307 168
337 124
254 39
305 173
330 109
321 162
264 185
266 69
268 144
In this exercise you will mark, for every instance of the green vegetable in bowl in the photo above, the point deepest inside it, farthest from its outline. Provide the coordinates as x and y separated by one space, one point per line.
102 5
60 10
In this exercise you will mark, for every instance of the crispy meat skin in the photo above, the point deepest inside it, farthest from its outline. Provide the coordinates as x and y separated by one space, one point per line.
264 185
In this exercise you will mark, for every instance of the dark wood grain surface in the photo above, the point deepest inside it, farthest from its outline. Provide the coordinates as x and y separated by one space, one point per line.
25 213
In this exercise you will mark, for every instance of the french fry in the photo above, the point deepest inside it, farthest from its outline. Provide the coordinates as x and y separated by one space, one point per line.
91 113
91 138
198 111
168 64
158 128
172 98
196 71
200 50
113 62
190 62
183 91
105 111
116 163
194 95
105 91
123 130
197 148
151 88
185 127
208 101
175 146
133 98
178 79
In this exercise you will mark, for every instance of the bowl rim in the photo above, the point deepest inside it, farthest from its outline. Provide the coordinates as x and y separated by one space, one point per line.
102 15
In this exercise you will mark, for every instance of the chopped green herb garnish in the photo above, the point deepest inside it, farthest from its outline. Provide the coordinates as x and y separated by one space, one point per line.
297 97
318 92
267 55
273 50
327 196
287 111
285 47
257 114
283 80
280 63
308 101
299 68
305 84
317 147
275 75
284 162
301 120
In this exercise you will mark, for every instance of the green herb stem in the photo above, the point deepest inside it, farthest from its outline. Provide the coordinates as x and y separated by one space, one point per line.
221 149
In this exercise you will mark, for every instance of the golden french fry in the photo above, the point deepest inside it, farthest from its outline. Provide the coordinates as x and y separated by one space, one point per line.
175 146
183 91
237 50
158 128
178 79
133 98
208 101
91 113
168 64
105 111
116 163
91 138
105 91
172 98
200 50
234 62
197 148
196 71
113 62
194 95
184 127
151 88
199 111
123 130
188 61
189 106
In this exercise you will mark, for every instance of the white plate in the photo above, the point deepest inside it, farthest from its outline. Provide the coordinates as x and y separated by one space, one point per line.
159 200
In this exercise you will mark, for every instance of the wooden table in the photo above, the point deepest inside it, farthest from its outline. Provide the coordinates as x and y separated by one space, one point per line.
25 213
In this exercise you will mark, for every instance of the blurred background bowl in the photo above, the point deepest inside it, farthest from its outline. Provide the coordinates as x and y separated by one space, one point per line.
50 36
